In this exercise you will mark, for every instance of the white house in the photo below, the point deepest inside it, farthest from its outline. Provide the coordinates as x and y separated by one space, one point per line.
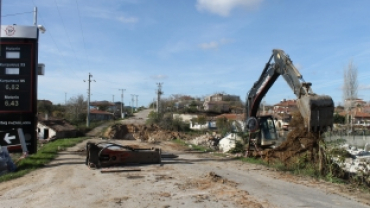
58 128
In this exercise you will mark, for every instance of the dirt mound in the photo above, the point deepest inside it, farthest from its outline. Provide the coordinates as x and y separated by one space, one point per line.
221 189
150 133
299 142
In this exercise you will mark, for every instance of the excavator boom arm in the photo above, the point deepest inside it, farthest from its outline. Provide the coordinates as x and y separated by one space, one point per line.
316 110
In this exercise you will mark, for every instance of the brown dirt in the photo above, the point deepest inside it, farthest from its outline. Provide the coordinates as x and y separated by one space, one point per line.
150 133
222 189
299 142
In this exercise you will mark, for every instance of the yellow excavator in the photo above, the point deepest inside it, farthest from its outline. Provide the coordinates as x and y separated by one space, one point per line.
316 110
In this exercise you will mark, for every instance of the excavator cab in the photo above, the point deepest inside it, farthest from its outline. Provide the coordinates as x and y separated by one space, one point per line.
266 134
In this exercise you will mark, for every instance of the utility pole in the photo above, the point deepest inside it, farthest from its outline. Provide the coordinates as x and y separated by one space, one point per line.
132 102
159 93
136 100
122 104
65 99
35 16
88 101
114 107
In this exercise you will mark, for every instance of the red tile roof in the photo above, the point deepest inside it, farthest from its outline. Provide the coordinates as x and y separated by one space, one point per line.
231 116
287 103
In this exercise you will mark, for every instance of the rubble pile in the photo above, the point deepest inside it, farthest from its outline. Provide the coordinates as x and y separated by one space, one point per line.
150 133
358 160
204 139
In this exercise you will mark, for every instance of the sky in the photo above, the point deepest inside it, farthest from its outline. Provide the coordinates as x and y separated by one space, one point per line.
193 47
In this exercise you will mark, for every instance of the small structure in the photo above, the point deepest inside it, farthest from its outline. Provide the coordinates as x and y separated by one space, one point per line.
237 121
54 128
229 142
217 106
219 102
100 115
285 107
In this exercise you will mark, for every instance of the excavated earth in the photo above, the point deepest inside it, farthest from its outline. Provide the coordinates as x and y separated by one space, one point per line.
299 142
149 133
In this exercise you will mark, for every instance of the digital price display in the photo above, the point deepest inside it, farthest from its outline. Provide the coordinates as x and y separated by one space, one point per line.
18 86
16 72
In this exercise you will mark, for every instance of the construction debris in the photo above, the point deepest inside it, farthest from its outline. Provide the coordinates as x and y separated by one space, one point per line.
110 154
149 133
115 170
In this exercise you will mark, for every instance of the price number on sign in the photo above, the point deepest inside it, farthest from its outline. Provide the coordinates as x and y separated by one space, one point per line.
12 86
11 103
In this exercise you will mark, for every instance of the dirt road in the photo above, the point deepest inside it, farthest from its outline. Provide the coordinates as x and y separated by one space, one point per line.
192 180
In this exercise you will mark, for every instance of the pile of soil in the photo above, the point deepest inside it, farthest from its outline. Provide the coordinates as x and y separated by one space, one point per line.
150 133
299 142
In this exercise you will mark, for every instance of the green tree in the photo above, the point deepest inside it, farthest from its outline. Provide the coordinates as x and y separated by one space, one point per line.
339 119
201 119
44 106
223 125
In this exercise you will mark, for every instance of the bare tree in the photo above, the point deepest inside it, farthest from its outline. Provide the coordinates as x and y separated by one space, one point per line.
350 88
76 108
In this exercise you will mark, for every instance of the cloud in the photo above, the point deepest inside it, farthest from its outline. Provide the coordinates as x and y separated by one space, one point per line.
224 7
128 19
210 45
214 45
110 13
159 77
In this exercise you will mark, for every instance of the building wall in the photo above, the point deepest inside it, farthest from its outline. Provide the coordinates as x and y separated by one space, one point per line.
208 125
100 117
185 117
41 129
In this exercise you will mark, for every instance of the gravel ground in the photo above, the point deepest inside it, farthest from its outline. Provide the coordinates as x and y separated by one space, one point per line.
191 180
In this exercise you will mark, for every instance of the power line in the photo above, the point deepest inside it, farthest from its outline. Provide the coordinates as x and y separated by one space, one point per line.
56 46
15 14
82 32
64 27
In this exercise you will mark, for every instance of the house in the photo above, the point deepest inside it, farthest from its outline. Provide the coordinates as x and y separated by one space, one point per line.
282 121
44 102
237 120
220 102
358 117
100 115
216 106
358 110
221 97
54 128
104 105
184 117
210 124
285 107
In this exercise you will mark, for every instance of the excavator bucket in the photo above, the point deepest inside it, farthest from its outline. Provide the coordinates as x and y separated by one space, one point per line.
317 112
